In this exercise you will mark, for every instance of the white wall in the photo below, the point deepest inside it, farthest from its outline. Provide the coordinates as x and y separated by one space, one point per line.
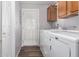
18 28
43 17
69 22
0 28
0 19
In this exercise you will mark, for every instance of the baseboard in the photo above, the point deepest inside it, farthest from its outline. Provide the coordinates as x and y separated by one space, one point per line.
30 45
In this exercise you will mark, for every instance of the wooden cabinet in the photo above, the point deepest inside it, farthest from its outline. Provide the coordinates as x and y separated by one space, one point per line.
62 8
48 13
52 13
67 8
74 6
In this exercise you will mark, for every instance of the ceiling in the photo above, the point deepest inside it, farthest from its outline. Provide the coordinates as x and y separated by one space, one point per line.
38 2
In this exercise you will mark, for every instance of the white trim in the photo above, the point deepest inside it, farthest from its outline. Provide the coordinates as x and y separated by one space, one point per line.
18 52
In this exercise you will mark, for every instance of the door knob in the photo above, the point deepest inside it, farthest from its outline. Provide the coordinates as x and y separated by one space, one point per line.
56 38
50 47
3 33
50 39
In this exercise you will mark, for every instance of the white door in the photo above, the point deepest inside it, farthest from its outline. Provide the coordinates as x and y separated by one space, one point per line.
8 29
30 27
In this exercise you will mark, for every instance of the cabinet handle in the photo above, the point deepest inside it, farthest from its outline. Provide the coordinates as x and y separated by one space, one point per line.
50 47
56 38
70 52
50 39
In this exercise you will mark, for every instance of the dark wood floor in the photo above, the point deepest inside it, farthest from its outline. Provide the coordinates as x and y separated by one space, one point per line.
30 51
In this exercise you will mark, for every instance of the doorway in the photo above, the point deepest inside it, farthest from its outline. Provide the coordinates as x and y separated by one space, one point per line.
30 27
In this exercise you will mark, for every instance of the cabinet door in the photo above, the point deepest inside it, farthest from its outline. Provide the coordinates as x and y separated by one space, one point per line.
47 47
45 43
62 8
48 13
42 42
60 49
52 13
74 6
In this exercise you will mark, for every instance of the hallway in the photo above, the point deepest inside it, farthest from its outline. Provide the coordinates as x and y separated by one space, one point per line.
30 51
